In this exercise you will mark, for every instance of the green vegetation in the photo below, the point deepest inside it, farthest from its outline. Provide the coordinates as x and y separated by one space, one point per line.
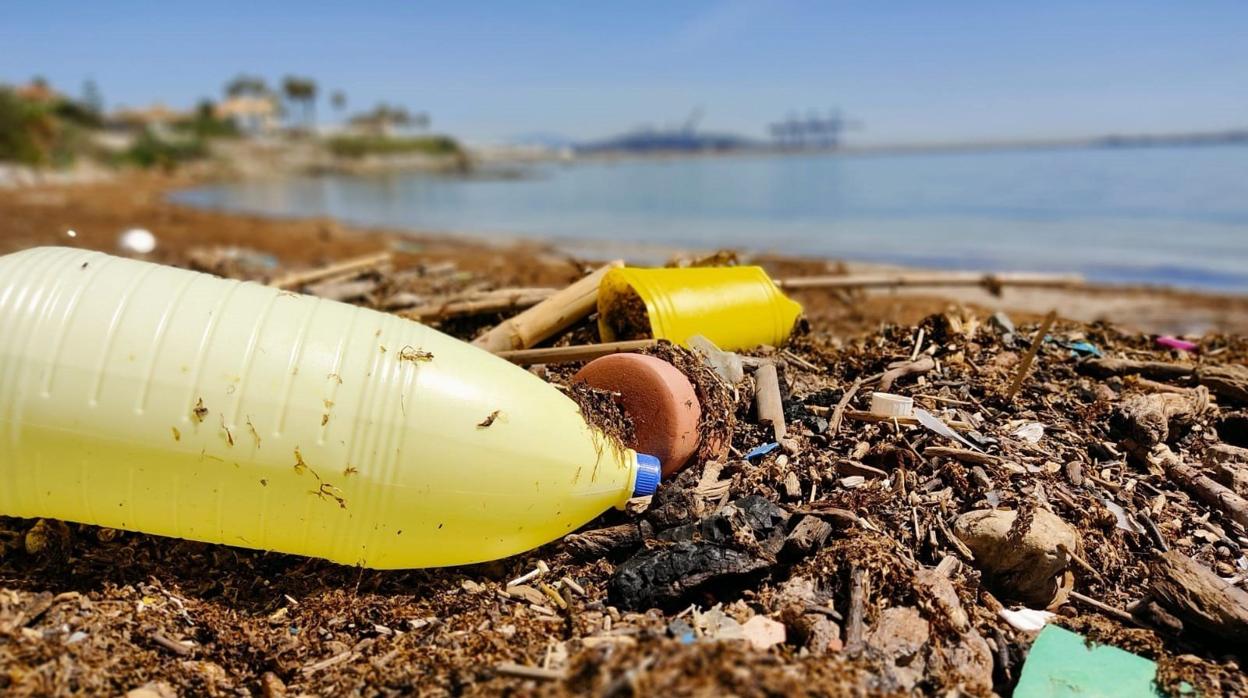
205 124
39 132
360 146
149 150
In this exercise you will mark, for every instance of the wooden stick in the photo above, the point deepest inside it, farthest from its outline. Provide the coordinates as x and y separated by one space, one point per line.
479 304
1204 487
907 421
986 279
767 401
855 623
580 352
543 320
1105 608
521 671
1030 356
962 454
838 414
358 264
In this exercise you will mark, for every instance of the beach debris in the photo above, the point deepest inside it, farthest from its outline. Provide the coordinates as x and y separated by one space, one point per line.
346 268
1026 619
1229 381
740 538
1024 366
1156 418
658 398
990 281
735 307
727 365
901 369
1026 557
761 450
497 301
1031 432
231 261
1003 325
137 241
1168 342
1204 487
1122 519
1077 347
1063 663
1199 597
768 404
549 317
763 633
932 423
890 405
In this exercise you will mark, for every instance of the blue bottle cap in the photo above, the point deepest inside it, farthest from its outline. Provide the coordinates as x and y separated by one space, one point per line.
649 472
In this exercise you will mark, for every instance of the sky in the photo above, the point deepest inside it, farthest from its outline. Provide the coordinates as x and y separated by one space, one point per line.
908 71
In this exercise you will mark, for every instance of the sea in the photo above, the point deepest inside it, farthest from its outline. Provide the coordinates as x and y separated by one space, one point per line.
1174 216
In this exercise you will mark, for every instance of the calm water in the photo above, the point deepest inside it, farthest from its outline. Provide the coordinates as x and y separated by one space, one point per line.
1163 215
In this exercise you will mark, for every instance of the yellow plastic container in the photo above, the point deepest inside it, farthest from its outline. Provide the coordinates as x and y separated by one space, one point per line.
155 399
734 307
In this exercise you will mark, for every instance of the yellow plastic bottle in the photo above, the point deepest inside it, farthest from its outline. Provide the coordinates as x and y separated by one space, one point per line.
155 399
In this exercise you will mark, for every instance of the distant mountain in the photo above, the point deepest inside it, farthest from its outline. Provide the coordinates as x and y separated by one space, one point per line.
554 141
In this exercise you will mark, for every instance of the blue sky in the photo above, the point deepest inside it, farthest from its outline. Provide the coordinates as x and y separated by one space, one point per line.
910 71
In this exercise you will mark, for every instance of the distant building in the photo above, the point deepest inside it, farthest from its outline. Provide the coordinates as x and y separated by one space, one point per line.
38 91
157 116
252 116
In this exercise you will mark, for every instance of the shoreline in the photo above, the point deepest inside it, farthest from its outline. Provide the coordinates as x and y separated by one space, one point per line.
99 211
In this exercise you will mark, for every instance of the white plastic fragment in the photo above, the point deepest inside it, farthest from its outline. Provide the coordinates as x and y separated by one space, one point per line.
890 405
1124 521
1031 432
727 364
930 421
1026 619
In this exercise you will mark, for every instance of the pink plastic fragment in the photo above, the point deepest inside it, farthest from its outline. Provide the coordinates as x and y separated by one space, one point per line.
1175 343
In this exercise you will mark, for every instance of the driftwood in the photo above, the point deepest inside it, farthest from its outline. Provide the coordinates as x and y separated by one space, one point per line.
1148 420
602 542
1202 486
1199 597
357 265
900 370
992 282
856 617
807 536
1229 465
582 352
767 400
1156 370
499 301
1229 382
556 313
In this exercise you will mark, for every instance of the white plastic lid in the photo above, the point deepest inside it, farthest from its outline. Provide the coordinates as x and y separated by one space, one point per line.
890 405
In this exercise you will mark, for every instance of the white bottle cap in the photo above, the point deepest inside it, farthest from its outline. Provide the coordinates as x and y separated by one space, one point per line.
889 405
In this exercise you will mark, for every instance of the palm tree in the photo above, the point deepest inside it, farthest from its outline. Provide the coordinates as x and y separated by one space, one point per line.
339 100
301 91
247 86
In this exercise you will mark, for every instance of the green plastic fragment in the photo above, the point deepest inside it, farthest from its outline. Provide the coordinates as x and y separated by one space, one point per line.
1062 664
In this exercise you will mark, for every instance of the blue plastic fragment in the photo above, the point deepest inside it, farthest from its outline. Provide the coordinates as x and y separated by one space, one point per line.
762 450
1081 347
